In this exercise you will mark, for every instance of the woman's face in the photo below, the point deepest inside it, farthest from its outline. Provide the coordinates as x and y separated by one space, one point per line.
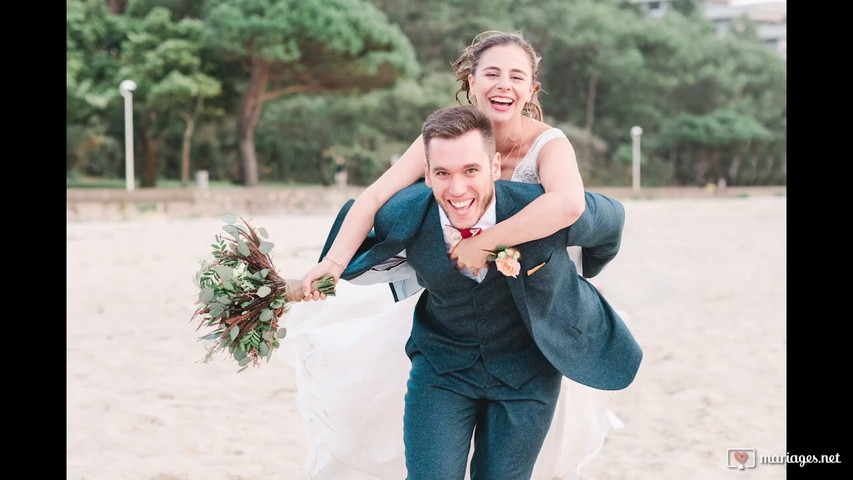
502 82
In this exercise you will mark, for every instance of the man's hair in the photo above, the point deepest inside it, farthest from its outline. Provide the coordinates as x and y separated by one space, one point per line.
453 122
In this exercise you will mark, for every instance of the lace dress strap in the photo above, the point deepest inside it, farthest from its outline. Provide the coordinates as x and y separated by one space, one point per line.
527 169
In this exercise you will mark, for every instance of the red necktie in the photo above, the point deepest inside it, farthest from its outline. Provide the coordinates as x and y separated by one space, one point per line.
455 235
465 232
469 232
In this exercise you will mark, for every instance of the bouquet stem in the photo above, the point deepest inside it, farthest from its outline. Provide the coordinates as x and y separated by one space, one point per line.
293 288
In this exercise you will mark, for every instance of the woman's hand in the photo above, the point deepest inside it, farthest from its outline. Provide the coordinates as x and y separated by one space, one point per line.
471 252
326 267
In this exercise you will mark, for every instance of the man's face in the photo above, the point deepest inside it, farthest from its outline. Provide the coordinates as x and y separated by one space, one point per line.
462 177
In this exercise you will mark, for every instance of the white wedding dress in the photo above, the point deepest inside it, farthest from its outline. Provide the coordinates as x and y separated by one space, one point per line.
351 371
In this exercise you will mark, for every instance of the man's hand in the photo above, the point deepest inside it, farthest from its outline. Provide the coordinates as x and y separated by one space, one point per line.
471 253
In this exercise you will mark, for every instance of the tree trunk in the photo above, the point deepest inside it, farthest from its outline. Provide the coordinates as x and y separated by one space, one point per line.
590 119
734 170
185 150
247 120
768 175
117 6
717 166
676 167
149 174
703 165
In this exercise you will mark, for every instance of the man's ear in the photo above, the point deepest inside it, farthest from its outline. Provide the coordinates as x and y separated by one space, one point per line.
426 173
496 166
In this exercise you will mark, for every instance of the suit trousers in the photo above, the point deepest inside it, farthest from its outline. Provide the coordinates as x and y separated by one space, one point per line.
442 412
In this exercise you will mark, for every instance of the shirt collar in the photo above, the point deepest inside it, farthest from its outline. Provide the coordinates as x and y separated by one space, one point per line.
488 219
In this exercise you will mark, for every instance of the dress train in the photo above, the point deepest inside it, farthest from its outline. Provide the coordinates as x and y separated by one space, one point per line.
351 371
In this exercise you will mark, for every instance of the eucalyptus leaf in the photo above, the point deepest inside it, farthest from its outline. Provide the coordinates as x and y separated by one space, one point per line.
228 218
281 333
206 295
210 336
265 247
262 231
244 361
266 315
234 332
224 300
263 349
225 273
216 309
231 229
264 272
242 247
264 291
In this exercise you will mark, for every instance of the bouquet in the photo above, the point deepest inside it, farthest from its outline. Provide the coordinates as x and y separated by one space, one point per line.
241 296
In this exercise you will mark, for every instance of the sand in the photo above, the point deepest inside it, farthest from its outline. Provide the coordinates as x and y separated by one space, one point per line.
703 280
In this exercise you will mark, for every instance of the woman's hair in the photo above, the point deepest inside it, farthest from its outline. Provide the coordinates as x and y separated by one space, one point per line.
453 122
470 58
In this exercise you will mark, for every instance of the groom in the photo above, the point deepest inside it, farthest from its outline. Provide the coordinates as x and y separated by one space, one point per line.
488 351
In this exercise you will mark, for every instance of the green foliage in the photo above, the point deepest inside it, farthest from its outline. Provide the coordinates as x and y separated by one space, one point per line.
331 43
241 296
383 65
93 36
299 136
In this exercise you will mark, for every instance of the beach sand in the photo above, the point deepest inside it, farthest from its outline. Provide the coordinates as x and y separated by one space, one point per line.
703 281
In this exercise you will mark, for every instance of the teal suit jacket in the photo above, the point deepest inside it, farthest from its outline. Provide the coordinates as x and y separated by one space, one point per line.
572 324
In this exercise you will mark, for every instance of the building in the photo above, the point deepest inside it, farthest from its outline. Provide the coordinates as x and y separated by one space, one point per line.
770 17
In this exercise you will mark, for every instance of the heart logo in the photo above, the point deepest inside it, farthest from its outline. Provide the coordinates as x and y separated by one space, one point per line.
740 456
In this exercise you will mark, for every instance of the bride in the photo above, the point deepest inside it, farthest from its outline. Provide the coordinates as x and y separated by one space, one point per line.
348 351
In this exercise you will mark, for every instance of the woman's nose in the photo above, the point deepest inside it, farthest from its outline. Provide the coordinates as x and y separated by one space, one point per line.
503 82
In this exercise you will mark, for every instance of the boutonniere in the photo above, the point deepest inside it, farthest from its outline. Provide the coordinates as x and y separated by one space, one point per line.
506 260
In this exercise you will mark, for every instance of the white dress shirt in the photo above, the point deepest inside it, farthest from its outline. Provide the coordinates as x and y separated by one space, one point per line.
487 220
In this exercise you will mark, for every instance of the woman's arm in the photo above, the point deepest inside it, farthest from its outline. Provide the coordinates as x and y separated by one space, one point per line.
560 206
359 220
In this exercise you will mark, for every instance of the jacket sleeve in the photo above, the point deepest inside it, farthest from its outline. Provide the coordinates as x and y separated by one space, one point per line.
598 231
394 226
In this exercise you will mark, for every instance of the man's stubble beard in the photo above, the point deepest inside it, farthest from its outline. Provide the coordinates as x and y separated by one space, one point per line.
484 204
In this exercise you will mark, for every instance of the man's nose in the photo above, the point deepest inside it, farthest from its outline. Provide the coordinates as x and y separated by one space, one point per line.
458 186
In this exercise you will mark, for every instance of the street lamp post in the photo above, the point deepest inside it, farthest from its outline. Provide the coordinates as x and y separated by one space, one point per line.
636 132
126 88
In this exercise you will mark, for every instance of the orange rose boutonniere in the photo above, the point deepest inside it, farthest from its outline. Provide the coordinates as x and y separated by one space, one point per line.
506 260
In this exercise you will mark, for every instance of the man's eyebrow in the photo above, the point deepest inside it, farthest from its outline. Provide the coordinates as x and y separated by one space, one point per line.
464 167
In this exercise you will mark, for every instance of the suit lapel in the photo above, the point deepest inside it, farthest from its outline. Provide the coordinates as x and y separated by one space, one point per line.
428 247
505 208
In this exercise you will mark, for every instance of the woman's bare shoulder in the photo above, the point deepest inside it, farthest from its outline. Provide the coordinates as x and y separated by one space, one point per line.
536 128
